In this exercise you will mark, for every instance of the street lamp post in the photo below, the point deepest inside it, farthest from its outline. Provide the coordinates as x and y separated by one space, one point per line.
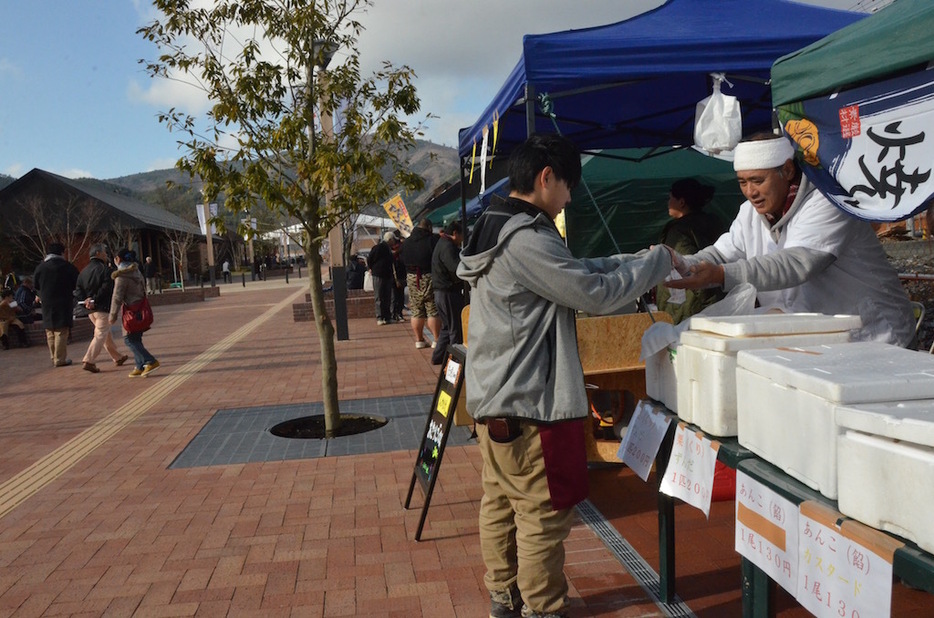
209 236
335 236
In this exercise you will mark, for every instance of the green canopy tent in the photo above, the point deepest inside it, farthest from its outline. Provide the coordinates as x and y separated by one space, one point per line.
633 195
899 37
859 104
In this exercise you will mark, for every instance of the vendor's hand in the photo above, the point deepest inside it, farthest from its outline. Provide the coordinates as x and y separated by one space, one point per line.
701 275
677 262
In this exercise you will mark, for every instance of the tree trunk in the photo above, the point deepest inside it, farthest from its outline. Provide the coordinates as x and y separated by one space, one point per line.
325 328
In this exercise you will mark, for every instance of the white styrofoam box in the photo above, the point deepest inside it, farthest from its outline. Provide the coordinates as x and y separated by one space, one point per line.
884 456
706 373
785 399
661 379
763 324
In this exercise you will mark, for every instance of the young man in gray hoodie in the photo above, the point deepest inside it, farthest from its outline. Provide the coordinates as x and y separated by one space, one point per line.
525 385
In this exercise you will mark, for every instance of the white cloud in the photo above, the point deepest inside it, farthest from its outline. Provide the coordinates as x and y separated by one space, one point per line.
73 173
15 170
462 52
8 67
164 94
161 164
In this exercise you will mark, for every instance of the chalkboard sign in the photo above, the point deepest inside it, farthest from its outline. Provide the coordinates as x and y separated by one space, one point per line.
437 428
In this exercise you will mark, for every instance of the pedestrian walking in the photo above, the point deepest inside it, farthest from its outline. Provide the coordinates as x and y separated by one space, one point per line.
129 289
94 290
55 280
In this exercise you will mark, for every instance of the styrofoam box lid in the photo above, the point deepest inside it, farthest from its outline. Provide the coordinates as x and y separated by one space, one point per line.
722 343
909 421
858 372
775 324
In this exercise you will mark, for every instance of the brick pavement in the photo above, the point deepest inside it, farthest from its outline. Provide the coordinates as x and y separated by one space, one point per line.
95 523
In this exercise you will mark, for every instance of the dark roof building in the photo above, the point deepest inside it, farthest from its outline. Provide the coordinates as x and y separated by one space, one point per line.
42 206
51 189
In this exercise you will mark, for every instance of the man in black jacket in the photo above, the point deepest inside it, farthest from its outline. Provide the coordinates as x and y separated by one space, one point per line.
417 250
380 263
94 290
55 280
449 290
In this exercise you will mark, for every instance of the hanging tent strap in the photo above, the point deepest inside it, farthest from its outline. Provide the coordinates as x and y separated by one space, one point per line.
548 109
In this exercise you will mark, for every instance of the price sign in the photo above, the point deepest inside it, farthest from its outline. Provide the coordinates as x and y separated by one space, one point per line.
842 570
437 428
767 531
689 475
643 436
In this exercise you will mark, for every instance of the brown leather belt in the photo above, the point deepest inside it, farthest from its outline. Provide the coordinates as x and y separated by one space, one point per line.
503 429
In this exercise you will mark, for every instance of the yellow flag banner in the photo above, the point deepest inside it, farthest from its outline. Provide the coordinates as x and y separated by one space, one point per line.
397 211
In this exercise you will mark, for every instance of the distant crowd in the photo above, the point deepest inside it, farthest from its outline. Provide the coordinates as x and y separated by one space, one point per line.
111 287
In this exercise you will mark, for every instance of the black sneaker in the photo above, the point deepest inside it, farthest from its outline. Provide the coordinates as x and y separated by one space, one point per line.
506 604
499 610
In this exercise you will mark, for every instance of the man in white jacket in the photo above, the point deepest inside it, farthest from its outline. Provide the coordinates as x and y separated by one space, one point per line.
800 252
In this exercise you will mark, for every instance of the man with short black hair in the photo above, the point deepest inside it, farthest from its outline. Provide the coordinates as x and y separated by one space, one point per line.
417 250
380 263
524 382
55 280
449 289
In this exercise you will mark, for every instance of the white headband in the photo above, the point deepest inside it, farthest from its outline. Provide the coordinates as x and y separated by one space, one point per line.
762 154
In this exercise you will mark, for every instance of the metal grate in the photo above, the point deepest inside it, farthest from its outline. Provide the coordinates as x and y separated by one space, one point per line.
630 559
241 435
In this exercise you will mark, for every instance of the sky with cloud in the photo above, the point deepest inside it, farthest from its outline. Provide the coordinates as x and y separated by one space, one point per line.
75 101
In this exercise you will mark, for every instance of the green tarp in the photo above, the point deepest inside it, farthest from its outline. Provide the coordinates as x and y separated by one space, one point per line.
633 198
898 37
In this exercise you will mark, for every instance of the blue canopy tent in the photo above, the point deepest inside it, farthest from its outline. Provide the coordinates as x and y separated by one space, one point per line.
635 83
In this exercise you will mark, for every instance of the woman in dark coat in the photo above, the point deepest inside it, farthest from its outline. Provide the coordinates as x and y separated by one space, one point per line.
690 230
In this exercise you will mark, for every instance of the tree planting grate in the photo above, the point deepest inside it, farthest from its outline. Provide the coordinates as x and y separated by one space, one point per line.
241 435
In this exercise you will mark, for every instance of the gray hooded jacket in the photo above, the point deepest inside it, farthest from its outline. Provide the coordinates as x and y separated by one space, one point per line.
522 357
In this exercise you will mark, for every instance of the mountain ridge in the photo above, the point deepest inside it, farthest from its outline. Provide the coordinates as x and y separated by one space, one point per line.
435 163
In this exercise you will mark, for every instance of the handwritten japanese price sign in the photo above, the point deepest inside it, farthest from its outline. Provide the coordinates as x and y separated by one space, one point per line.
842 570
767 531
451 371
689 475
643 436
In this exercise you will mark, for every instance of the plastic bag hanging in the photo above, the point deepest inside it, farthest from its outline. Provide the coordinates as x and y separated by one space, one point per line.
718 121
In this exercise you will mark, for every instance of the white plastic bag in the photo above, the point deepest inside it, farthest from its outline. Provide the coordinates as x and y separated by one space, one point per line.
368 282
718 121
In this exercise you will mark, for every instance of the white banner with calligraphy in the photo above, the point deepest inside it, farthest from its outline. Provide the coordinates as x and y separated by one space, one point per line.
767 531
843 570
644 435
870 150
689 475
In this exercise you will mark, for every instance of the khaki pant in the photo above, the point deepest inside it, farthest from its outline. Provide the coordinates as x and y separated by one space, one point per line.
521 536
57 338
101 339
5 325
